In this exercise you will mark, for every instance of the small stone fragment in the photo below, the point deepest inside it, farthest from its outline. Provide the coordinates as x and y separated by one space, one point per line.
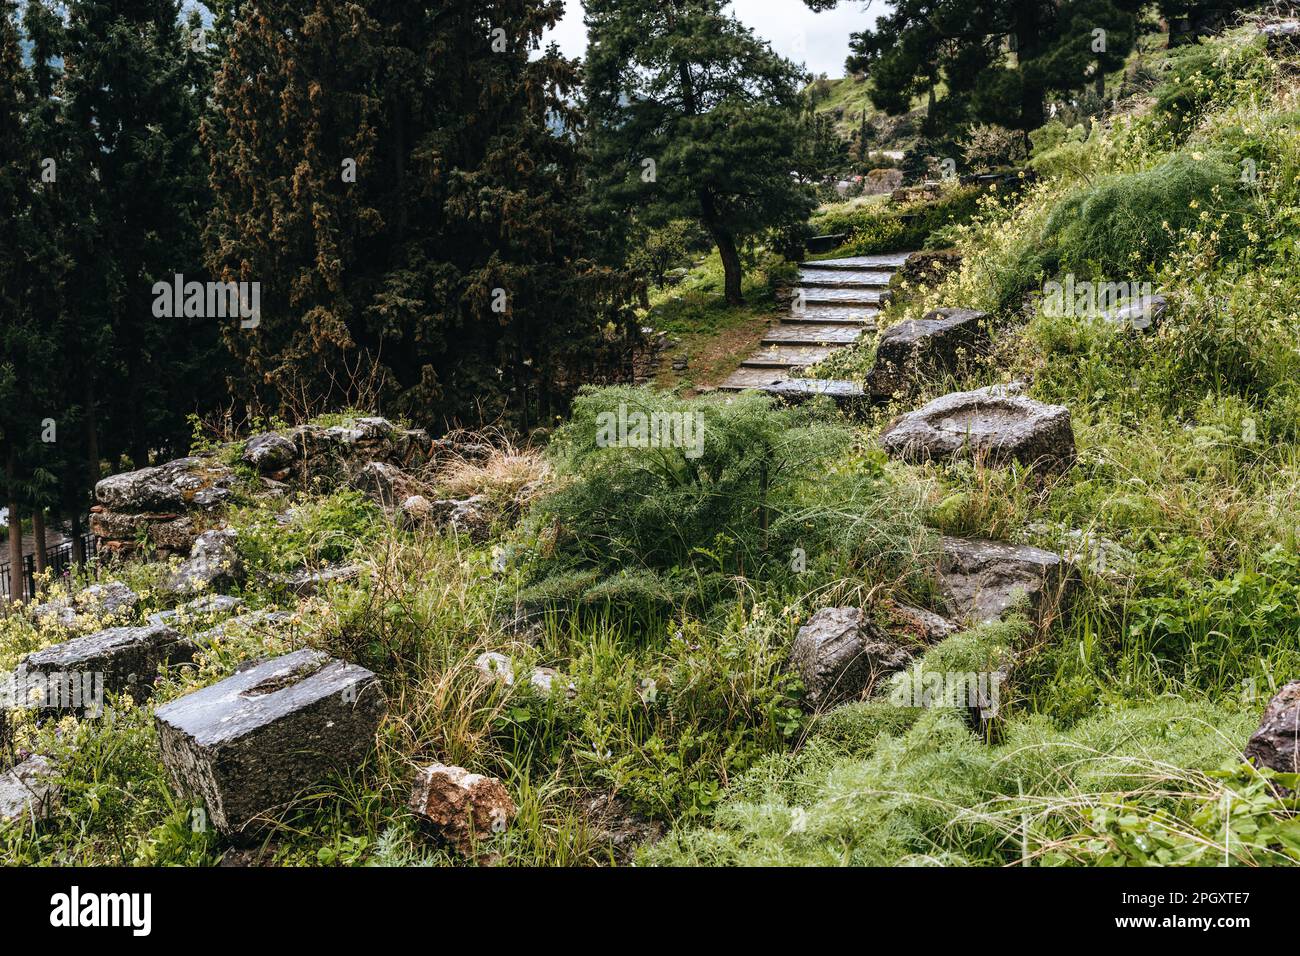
462 807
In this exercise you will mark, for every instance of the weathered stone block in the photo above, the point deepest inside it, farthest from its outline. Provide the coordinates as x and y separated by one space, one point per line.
122 660
251 743
981 579
996 424
920 348
27 792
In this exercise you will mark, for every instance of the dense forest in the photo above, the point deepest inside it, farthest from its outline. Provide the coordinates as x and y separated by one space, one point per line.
666 456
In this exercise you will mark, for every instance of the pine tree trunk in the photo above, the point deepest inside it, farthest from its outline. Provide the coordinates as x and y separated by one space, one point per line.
38 532
730 267
91 437
726 244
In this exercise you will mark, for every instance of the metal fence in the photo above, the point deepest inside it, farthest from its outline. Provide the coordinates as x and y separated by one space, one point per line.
58 559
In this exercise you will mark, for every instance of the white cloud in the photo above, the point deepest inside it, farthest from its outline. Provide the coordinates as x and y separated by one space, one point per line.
818 40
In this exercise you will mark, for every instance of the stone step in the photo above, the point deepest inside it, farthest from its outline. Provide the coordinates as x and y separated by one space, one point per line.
784 356
821 278
847 395
834 312
743 378
811 285
861 320
887 260
790 333
842 296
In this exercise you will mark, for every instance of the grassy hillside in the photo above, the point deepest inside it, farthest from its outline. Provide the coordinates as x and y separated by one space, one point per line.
664 586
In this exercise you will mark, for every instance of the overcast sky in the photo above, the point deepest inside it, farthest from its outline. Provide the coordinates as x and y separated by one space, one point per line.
818 40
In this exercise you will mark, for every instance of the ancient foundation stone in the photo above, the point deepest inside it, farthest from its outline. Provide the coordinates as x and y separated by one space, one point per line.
996 424
251 743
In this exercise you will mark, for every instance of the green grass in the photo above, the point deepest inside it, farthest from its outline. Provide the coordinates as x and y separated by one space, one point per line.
669 606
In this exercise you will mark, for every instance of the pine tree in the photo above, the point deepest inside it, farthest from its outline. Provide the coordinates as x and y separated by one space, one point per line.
692 116
135 176
402 181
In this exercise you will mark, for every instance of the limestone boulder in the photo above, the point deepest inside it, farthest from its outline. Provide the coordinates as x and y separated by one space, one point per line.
387 485
998 425
306 582
472 516
112 599
1276 743
840 654
919 349
199 482
28 792
1139 314
214 564
270 454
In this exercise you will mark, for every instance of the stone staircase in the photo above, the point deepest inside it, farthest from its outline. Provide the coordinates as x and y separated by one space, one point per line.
835 302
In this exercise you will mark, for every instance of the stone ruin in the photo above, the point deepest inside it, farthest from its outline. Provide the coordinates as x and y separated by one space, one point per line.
998 425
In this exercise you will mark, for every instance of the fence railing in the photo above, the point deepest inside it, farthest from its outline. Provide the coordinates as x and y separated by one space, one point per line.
58 559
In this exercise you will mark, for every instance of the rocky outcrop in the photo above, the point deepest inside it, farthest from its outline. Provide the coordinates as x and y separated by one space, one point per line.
214 564
248 745
981 580
165 506
462 807
114 661
1276 744
916 349
28 792
387 485
840 653
997 425
334 452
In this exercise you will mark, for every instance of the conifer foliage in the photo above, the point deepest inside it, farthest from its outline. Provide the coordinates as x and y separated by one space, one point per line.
402 180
